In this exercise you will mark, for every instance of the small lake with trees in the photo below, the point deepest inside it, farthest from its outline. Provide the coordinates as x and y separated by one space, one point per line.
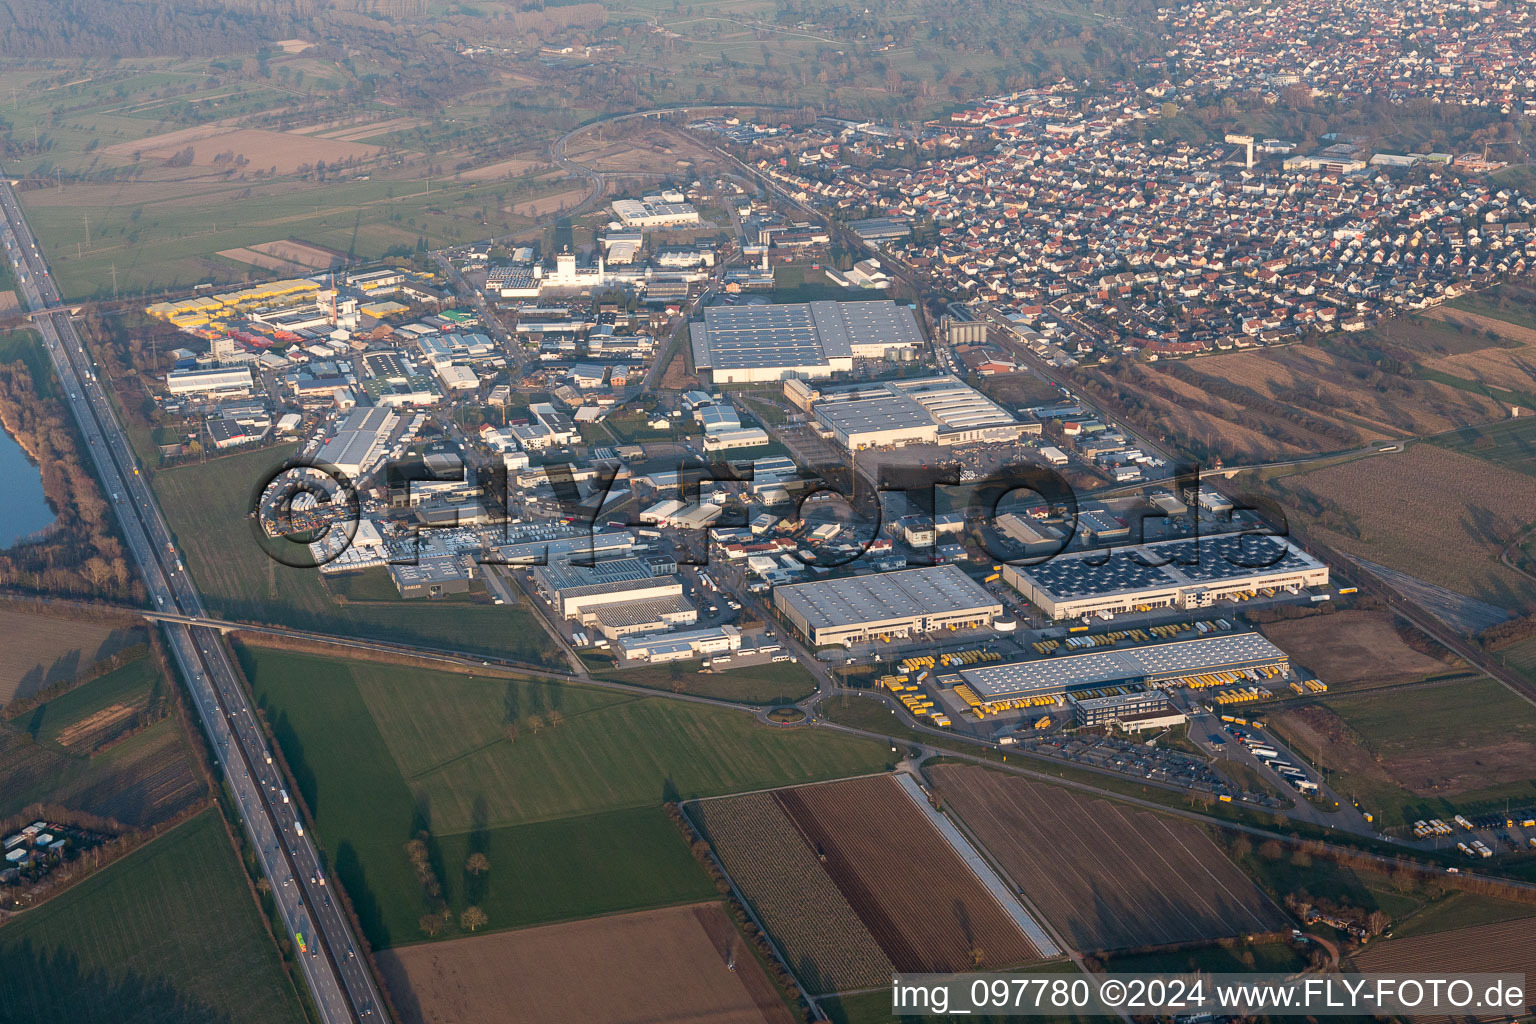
23 509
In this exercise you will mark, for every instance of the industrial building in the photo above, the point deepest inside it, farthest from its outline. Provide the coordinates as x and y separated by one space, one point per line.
432 577
656 211
1189 574
578 589
619 619
731 439
1017 683
360 441
222 380
859 608
1120 707
929 410
694 643
747 344
586 546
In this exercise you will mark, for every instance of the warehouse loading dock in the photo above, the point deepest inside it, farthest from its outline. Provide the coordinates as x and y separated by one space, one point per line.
855 609
1187 574
994 688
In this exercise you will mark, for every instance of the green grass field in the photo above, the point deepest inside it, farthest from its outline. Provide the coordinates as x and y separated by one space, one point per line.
165 936
26 346
1412 908
1505 302
134 683
781 682
1522 658
121 782
381 751
802 283
1465 730
206 506
1510 443
1450 715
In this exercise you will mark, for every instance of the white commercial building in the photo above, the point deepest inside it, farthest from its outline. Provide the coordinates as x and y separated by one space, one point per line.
457 378
1187 574
932 410
695 643
741 437
655 211
747 344
360 441
217 380
859 608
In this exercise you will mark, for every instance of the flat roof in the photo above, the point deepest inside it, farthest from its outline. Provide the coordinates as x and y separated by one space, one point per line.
880 597
944 403
799 334
645 610
1100 667
1167 565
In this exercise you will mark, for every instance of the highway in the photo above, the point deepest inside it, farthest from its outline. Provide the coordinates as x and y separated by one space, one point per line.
338 980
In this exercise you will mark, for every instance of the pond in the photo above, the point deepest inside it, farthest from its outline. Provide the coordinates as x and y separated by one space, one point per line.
23 509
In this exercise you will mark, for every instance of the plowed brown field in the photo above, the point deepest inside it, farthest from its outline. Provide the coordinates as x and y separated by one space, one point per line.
1106 876
815 928
917 897
1509 947
658 965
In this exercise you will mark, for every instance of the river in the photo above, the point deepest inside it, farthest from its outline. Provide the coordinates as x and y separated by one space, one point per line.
23 509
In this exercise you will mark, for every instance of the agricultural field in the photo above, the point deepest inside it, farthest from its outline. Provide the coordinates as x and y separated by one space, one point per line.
1438 334
206 507
781 682
1379 509
675 964
1505 359
824 940
108 747
381 751
1107 877
1521 657
142 172
1511 444
872 840
1507 947
852 879
1261 405
1426 751
139 781
168 935
93 714
1266 957
1511 302
42 650
649 152
1354 648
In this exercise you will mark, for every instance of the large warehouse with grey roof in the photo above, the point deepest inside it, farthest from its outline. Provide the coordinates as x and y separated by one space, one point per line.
1146 665
858 608
1192 573
747 344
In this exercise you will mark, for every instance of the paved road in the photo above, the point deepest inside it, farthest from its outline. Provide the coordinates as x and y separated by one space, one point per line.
340 983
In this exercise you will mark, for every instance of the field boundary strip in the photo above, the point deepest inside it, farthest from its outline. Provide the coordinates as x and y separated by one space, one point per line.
771 789
983 871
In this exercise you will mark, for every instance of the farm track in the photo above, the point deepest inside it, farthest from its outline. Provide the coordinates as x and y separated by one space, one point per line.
921 902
